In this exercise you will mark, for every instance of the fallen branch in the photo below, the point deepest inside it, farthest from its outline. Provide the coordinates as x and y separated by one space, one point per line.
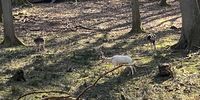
41 92
99 79
78 97
87 28
83 27
59 98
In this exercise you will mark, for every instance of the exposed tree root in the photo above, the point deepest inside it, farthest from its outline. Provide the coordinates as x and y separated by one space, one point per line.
7 42
139 30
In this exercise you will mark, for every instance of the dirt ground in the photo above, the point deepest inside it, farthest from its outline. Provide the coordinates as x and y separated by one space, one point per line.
71 60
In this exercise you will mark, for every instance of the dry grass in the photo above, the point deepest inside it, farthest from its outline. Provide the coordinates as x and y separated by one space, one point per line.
69 46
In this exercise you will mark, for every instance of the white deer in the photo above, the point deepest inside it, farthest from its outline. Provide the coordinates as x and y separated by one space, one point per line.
117 60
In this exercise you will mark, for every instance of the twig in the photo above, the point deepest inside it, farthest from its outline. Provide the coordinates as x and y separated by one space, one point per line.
98 80
87 28
59 98
83 27
41 92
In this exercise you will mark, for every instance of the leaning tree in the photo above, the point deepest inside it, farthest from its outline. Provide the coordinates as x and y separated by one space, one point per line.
190 37
10 39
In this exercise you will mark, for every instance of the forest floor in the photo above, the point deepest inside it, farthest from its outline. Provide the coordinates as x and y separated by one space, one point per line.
71 61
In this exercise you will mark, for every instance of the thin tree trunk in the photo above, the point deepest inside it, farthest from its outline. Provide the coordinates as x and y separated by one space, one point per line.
136 24
10 39
190 37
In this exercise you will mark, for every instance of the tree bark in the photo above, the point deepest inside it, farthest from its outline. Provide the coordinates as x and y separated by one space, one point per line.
136 23
1 12
10 39
190 37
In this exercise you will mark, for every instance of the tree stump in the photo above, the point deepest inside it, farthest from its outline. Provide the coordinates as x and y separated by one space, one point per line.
19 75
163 3
165 70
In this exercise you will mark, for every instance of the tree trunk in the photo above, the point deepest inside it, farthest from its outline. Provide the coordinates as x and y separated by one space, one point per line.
190 37
1 12
163 3
10 39
136 24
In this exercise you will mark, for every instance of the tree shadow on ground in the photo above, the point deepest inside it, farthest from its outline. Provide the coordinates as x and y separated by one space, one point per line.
8 56
113 83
